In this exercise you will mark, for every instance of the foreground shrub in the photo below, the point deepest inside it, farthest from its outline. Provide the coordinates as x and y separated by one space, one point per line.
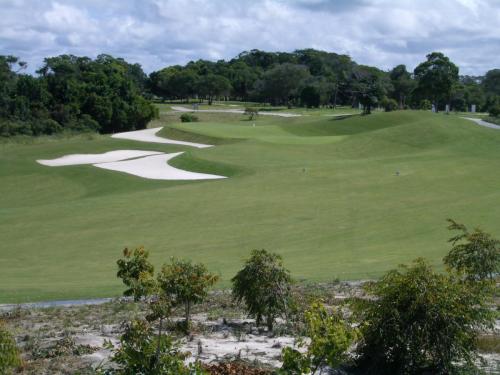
329 338
185 283
475 254
188 117
421 321
136 271
138 353
264 286
9 354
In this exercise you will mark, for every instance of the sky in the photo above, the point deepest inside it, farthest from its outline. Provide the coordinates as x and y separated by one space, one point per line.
159 33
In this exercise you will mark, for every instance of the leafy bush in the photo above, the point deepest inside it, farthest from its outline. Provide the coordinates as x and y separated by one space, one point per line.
185 283
46 126
188 117
425 105
389 105
476 254
136 271
495 111
329 338
421 321
263 284
9 354
10 128
251 112
140 352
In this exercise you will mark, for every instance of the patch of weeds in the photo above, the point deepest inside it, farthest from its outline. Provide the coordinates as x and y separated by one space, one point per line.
489 344
238 367
63 347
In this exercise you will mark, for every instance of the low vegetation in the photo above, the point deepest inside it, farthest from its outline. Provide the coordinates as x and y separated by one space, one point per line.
9 353
413 320
263 284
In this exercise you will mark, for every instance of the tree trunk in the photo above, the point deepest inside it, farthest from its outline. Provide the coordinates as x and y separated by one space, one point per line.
188 315
258 320
335 99
158 347
270 322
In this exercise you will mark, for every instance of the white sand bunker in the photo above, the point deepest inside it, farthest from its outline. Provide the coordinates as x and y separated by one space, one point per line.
78 159
149 135
155 167
145 164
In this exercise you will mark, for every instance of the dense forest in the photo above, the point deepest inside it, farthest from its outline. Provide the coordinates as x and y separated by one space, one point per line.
109 95
73 93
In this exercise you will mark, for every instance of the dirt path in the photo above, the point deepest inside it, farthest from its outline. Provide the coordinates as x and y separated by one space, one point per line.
482 122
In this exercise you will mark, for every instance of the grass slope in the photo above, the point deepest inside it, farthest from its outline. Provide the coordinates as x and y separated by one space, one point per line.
320 191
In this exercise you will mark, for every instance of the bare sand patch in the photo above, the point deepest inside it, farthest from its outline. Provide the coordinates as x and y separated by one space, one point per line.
238 111
79 159
149 135
156 167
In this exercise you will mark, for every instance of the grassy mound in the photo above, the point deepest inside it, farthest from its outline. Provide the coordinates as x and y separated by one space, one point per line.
321 191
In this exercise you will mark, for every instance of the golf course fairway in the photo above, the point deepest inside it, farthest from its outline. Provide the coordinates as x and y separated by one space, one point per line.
346 198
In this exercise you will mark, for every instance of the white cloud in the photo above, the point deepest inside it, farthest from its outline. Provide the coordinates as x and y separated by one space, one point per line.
157 33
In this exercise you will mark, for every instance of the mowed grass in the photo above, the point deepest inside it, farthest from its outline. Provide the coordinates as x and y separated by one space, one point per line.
322 192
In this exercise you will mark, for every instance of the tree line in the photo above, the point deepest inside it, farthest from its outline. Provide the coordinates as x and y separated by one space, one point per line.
315 78
70 93
108 94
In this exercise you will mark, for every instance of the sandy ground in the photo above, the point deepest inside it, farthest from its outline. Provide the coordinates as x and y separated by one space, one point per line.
149 135
78 159
238 111
483 123
156 167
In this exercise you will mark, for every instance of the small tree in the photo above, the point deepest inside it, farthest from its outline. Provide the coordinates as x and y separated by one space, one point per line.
9 354
329 338
476 254
185 283
421 321
251 112
137 353
263 284
136 272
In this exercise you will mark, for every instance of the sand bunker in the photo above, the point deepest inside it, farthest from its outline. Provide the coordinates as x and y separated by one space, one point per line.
155 167
78 159
146 164
149 135
238 111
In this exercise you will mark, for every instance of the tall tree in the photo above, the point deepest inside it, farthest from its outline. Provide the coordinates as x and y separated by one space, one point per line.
403 84
436 77
213 85
281 84
491 82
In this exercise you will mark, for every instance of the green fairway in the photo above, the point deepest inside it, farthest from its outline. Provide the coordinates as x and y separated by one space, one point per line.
323 192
